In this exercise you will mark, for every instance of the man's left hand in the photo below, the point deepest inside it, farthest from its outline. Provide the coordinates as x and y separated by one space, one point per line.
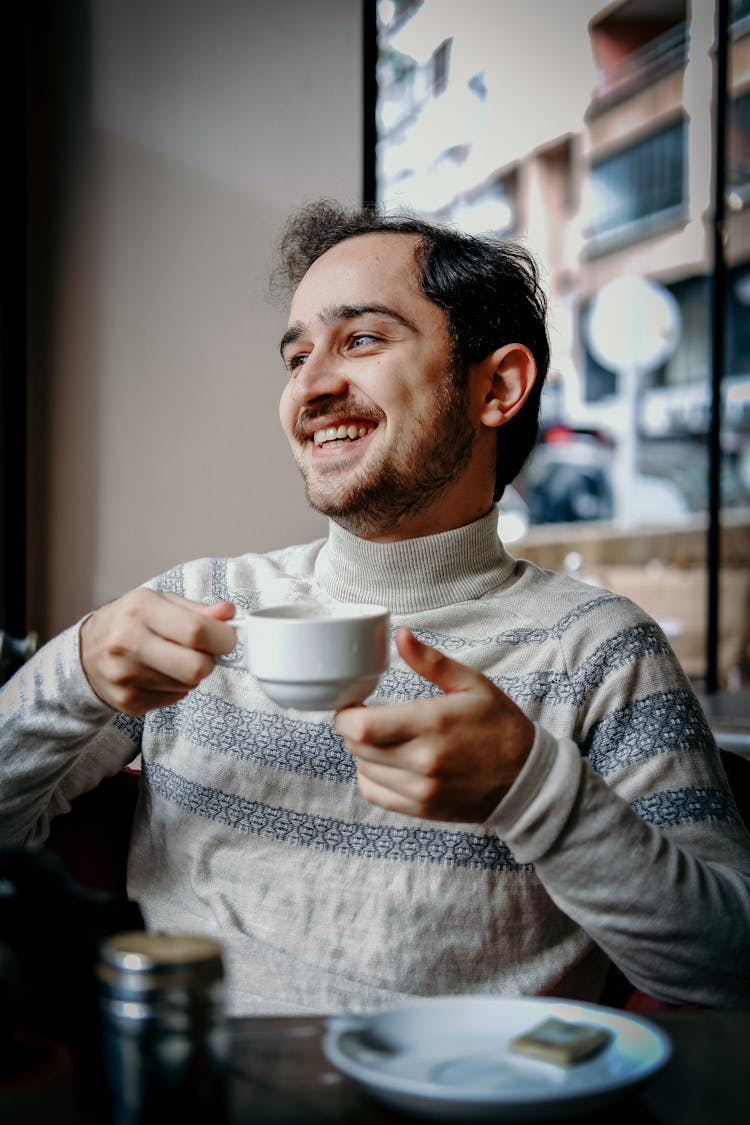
450 757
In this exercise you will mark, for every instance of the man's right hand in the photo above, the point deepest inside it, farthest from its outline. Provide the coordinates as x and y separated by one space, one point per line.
148 649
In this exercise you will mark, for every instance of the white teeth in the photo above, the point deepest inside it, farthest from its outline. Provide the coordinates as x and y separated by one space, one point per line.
340 433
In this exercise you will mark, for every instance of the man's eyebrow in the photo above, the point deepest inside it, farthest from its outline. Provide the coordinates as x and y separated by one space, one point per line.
293 332
333 313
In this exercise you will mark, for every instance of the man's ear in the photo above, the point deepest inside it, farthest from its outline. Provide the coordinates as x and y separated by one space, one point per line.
506 378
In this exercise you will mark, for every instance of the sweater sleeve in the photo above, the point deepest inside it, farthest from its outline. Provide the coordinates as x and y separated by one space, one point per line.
661 883
57 740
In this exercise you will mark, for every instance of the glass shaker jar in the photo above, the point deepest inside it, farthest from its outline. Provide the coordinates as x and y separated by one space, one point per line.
164 1031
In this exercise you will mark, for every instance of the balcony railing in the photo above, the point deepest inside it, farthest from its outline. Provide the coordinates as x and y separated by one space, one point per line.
641 67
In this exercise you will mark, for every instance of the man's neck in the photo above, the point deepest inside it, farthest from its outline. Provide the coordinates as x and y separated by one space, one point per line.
420 573
415 525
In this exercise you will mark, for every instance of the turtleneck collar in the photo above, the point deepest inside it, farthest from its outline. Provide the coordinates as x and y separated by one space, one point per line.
415 574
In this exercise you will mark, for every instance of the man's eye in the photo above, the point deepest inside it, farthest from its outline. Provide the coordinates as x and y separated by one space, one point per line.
361 339
295 361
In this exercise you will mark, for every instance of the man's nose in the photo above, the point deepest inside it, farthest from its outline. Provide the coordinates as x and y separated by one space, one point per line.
320 376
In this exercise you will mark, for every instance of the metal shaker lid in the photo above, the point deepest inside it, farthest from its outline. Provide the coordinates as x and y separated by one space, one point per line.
148 960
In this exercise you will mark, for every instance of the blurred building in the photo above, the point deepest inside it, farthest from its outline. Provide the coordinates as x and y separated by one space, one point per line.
585 130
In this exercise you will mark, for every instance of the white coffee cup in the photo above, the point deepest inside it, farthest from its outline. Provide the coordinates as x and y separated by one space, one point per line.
315 658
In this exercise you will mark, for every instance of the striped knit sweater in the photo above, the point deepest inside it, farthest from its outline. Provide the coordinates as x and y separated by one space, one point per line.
619 840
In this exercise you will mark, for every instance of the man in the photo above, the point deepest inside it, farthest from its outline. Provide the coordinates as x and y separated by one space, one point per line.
535 793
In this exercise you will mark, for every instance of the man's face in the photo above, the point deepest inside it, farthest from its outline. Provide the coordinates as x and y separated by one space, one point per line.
376 423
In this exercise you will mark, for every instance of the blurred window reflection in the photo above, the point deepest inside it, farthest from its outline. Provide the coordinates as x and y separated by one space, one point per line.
646 180
589 136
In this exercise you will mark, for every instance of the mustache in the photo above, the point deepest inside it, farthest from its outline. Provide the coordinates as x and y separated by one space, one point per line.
336 412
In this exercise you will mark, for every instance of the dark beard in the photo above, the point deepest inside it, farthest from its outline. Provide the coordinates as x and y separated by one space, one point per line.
379 502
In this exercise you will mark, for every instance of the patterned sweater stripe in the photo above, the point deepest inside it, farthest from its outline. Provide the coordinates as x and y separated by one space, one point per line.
404 844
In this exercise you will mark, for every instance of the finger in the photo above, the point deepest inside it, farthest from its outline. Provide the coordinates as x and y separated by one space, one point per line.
402 755
141 702
191 624
387 726
221 611
414 786
162 664
387 797
155 666
447 674
414 797
127 685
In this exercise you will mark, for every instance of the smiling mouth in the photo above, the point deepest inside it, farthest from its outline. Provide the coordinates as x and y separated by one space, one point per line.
332 436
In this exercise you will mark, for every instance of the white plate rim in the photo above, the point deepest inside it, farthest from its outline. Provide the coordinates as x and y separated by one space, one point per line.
540 1007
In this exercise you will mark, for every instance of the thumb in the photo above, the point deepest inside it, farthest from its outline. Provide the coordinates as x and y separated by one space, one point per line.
220 611
446 674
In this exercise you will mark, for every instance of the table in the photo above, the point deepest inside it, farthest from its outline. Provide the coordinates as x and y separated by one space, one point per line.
728 715
280 1076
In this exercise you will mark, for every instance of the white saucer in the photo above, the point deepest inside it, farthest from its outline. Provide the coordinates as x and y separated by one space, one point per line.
447 1058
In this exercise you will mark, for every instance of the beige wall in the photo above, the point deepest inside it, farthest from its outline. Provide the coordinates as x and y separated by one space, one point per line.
155 435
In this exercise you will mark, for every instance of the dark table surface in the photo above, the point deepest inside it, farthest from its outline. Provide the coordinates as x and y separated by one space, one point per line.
728 714
280 1076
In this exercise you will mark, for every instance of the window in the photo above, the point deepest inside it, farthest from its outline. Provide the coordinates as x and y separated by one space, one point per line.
739 10
738 325
738 163
634 52
440 67
639 183
599 190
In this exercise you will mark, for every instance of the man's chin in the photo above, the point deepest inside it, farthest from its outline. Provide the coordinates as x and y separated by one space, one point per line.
365 511
346 507
337 498
332 506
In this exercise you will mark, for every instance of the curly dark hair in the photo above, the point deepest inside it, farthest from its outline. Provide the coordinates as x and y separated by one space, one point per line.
488 289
